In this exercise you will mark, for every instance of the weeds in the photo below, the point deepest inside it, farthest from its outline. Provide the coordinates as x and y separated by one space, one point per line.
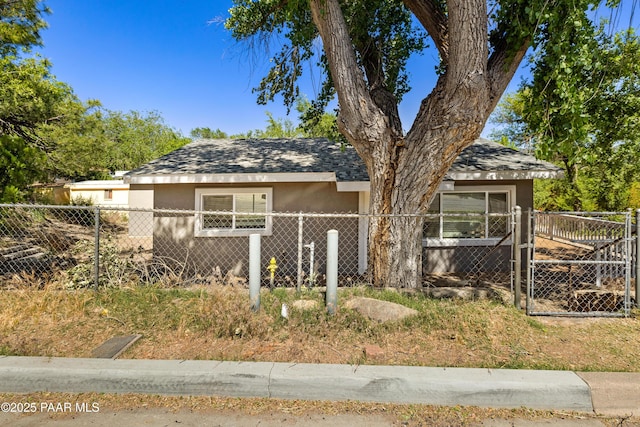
216 322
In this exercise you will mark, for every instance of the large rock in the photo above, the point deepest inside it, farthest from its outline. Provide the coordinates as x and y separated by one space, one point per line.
468 293
382 311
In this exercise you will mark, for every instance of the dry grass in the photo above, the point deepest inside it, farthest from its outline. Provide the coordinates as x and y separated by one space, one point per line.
217 323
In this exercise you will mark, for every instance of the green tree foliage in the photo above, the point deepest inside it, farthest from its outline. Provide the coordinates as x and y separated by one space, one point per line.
30 97
276 128
207 133
45 131
317 125
134 139
581 110
381 30
311 125
20 165
93 141
20 25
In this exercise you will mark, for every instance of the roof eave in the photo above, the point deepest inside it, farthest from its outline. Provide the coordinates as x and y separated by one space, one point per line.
231 178
509 175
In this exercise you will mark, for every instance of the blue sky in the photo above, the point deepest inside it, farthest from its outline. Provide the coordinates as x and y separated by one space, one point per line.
176 58
167 56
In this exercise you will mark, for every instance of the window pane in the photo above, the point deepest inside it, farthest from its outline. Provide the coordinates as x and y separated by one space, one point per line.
497 202
431 225
217 221
251 203
463 227
217 203
498 226
463 202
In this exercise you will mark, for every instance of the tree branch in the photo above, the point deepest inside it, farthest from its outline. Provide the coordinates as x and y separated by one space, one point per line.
434 20
468 32
356 104
502 66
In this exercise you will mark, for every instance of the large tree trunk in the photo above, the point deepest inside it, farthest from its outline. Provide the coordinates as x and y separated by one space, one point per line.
406 171
405 177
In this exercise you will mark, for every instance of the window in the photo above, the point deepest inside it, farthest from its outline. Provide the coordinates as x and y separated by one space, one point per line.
108 194
236 212
468 215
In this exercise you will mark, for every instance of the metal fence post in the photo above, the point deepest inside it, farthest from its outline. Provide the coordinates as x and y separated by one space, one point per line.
628 262
530 248
517 237
300 247
96 253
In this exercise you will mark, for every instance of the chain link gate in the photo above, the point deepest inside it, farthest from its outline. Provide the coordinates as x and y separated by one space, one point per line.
580 264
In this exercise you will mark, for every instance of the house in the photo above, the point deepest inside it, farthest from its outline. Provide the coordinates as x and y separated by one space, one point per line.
100 192
316 175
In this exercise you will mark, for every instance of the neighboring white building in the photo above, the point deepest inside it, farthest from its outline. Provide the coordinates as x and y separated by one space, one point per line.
101 193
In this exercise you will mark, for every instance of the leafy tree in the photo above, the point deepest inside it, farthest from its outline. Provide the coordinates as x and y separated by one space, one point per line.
312 126
366 47
207 133
512 130
20 165
46 131
20 25
30 97
581 111
93 142
276 128
134 139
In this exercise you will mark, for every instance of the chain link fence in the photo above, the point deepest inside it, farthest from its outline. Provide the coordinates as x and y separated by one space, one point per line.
582 263
85 246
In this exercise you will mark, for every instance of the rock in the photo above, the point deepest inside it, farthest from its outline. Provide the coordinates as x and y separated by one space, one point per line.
372 351
382 311
468 293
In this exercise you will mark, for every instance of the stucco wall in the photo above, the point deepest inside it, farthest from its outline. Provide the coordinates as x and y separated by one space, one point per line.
287 197
141 223
473 258
174 232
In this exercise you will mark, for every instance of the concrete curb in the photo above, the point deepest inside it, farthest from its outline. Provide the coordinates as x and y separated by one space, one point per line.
496 388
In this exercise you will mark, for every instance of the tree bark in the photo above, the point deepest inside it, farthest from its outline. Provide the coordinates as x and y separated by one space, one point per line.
406 171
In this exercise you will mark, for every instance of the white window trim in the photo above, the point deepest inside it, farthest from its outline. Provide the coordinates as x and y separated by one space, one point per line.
492 241
225 232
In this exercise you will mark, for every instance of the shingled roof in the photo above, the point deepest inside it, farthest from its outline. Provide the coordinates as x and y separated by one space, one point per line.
305 159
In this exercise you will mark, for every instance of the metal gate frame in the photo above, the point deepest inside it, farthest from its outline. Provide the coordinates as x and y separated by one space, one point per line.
581 302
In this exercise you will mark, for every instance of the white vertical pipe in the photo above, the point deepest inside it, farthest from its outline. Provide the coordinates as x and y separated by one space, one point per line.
254 271
300 246
332 271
